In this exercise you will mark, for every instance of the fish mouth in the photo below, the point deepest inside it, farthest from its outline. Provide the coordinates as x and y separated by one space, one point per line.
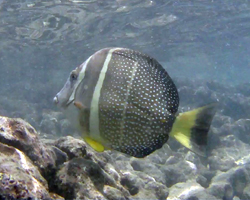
63 105
55 100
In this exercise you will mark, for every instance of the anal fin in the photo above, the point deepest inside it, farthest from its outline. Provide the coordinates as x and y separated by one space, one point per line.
95 145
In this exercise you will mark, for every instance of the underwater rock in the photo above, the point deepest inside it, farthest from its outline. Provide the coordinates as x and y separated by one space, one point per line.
205 176
113 193
235 105
228 154
55 196
187 191
244 160
19 178
72 146
232 145
219 120
232 101
161 155
222 190
225 185
131 182
241 130
196 95
151 188
53 125
179 172
82 178
246 192
115 174
218 161
65 127
81 154
21 135
123 166
49 123
49 126
142 186
78 148
149 168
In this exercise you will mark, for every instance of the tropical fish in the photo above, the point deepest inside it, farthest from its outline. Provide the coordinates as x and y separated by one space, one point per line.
124 100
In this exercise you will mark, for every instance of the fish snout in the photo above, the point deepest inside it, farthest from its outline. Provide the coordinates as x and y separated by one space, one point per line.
55 100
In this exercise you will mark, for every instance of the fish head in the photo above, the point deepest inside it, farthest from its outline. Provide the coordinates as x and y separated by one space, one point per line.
81 82
66 95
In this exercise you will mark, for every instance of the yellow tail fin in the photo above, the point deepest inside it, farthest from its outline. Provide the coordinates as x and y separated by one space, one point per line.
191 128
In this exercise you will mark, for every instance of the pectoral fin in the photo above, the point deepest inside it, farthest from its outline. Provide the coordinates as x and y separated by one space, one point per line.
79 105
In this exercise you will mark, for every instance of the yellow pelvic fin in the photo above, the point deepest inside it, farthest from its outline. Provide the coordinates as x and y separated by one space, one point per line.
95 145
191 128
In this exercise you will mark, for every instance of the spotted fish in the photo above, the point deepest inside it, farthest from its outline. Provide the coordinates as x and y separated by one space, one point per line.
124 100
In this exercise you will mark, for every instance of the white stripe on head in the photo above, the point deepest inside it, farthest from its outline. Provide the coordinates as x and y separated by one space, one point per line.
79 79
94 108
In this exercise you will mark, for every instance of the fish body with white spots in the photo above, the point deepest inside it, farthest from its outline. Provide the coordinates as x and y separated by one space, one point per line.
125 100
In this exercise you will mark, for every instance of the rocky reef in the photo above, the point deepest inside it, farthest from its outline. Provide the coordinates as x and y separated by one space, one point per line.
44 165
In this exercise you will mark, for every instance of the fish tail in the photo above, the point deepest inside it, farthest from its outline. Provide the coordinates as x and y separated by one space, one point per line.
191 128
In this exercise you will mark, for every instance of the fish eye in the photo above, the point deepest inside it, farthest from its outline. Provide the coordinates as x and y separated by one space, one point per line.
73 76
